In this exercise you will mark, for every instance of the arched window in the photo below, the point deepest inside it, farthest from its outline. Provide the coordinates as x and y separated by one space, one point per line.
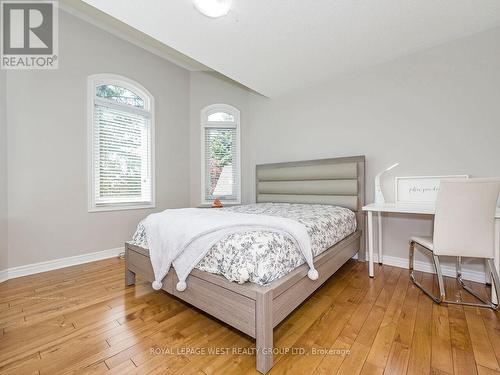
121 144
220 150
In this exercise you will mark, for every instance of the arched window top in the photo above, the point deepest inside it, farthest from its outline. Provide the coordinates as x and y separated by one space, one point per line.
115 89
221 117
220 114
120 95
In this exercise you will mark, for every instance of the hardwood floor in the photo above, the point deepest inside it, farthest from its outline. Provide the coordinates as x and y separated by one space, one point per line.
83 320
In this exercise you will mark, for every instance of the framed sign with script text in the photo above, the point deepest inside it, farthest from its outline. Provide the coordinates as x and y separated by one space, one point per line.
419 189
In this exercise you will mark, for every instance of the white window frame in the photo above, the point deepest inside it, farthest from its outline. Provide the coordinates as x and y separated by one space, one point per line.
205 112
93 82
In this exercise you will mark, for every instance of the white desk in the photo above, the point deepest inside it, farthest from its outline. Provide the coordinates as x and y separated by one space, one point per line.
410 209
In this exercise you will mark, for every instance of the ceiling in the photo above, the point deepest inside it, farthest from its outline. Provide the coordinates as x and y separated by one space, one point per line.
276 46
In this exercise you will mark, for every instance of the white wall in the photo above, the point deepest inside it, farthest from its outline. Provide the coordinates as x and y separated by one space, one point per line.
47 146
212 88
3 174
436 112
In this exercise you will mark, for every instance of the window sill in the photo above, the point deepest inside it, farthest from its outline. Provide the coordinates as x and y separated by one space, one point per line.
121 207
224 204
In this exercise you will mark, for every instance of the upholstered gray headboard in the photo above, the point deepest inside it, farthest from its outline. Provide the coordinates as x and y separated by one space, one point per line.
336 181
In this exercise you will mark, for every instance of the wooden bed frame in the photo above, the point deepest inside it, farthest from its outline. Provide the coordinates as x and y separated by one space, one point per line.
253 309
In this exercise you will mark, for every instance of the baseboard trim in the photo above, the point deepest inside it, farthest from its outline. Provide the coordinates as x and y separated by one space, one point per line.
427 267
31 269
4 275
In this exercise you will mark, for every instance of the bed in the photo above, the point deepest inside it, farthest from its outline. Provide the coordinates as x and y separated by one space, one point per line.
256 307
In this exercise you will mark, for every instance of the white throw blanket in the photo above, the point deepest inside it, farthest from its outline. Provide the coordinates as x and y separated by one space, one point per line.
182 237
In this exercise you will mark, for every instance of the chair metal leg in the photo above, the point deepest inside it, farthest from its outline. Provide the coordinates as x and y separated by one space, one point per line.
459 267
471 291
439 273
484 302
412 252
487 272
495 278
420 286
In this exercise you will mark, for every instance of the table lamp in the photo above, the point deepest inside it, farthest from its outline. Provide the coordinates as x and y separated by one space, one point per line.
379 196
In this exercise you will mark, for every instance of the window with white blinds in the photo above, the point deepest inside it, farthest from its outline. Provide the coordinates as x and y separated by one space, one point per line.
220 154
121 133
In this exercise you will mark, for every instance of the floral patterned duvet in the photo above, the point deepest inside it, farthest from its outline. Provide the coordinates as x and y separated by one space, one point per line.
262 257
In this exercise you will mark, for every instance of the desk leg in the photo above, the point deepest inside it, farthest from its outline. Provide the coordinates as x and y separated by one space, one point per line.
497 258
370 244
380 261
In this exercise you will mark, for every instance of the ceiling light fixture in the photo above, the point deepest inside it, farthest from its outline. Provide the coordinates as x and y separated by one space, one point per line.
213 8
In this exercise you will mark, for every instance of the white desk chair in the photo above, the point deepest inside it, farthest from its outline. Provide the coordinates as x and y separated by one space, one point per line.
464 226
